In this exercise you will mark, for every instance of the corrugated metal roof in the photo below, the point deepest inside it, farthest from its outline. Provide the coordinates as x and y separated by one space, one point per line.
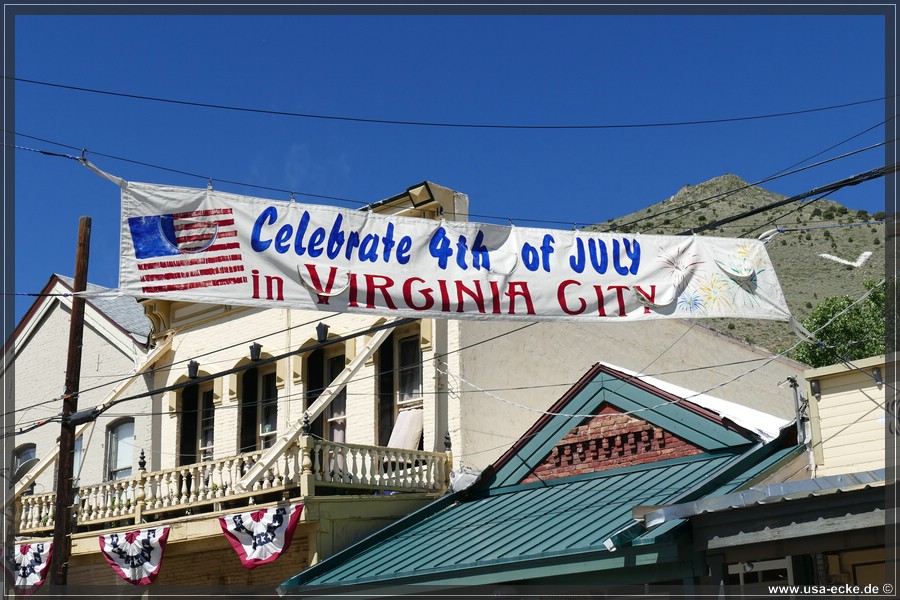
512 524
779 492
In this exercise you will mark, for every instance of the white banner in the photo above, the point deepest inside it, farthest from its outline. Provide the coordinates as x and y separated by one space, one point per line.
201 245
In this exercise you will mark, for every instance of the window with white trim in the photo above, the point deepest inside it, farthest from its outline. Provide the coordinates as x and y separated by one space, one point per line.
259 410
23 454
197 414
77 456
336 413
322 367
399 380
119 449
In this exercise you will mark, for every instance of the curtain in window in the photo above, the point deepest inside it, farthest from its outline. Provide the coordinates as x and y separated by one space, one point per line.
121 444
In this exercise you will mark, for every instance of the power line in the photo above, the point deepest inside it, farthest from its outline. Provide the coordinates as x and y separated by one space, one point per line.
783 215
833 146
163 168
721 195
823 190
727 193
262 362
442 124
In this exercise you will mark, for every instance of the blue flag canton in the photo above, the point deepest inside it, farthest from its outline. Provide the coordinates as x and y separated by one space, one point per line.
153 236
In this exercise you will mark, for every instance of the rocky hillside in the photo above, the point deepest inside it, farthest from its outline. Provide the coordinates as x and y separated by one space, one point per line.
811 229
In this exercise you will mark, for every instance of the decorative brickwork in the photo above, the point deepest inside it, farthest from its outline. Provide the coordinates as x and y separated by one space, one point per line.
609 440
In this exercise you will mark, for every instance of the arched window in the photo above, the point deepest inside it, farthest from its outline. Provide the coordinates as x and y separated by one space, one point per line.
23 454
195 440
259 409
119 449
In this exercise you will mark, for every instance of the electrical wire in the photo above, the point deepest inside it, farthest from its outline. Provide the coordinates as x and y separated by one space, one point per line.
262 362
440 124
724 195
715 197
695 394
168 169
797 164
841 143
202 354
779 217
825 189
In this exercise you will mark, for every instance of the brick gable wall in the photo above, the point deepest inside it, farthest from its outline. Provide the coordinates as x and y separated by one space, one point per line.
609 440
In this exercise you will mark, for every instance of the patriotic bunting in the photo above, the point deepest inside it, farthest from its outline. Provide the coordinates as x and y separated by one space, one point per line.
27 565
260 536
135 555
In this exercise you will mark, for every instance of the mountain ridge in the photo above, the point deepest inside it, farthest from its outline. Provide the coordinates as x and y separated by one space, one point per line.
819 248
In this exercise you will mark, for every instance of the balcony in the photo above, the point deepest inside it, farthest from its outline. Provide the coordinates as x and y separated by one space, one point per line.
308 468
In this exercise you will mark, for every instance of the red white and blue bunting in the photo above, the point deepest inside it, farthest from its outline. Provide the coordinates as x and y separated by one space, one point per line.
261 536
27 564
135 555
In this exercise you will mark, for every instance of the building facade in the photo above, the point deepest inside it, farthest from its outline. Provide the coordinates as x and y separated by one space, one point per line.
361 418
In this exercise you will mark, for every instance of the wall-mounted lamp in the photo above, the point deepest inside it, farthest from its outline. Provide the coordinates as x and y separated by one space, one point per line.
816 390
420 194
193 369
255 349
876 373
321 332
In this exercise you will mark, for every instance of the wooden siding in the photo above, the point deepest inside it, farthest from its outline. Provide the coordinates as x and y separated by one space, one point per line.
851 426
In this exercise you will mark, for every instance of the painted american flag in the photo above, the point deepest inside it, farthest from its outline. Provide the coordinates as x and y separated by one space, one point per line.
187 250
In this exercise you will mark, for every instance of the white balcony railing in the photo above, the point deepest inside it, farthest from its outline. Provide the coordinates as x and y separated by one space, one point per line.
205 486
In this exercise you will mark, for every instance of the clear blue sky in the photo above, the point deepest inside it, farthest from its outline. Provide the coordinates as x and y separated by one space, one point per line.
476 69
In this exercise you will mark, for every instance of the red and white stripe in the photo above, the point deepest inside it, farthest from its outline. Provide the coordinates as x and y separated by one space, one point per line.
199 266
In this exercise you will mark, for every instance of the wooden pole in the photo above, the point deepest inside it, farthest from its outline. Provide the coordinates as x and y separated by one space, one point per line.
62 527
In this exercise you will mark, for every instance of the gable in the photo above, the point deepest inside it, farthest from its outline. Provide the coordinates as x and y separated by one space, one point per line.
611 439
605 386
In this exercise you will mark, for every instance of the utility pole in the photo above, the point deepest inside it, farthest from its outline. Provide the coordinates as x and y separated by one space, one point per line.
798 409
62 527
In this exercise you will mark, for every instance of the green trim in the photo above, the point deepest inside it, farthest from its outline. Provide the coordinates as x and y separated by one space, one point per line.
534 450
669 462
627 397
502 571
675 419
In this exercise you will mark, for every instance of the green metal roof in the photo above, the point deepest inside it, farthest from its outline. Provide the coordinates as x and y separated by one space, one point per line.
499 530
524 528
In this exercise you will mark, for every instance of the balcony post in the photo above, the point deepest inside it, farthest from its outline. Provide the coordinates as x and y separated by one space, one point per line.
449 466
139 494
307 477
